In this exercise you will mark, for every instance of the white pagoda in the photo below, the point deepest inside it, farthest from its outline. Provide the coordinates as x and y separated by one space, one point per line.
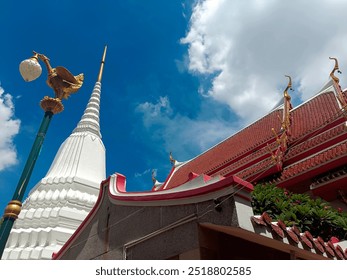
58 203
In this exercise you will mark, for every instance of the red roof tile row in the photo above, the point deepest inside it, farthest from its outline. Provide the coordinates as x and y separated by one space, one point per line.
326 156
318 140
313 114
306 239
332 185
254 172
248 160
331 176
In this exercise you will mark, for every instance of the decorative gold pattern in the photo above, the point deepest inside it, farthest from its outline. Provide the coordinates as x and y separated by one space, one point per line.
13 209
276 136
53 105
35 56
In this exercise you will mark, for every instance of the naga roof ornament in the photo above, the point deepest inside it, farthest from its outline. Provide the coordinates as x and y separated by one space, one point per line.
340 96
282 137
172 160
287 106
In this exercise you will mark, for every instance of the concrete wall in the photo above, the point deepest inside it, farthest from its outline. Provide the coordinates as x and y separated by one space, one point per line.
148 232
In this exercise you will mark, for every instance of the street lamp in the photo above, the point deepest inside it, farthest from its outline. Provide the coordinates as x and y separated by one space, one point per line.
63 84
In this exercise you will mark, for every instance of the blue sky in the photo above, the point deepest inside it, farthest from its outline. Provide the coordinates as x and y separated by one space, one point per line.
179 76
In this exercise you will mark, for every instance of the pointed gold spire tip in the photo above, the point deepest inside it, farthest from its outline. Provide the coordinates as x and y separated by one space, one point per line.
102 64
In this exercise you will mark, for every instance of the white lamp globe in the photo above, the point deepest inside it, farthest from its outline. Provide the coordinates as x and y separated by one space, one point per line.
30 69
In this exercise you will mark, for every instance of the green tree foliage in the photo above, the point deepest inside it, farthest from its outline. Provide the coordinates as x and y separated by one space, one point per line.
315 215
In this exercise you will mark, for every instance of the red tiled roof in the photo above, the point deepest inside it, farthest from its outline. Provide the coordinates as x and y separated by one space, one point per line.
265 166
221 155
334 156
306 239
316 143
316 125
248 160
313 114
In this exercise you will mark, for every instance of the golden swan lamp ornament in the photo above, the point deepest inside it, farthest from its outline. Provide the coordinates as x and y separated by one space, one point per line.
59 79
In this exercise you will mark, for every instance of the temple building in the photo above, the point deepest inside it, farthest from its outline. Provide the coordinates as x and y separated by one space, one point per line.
203 209
61 200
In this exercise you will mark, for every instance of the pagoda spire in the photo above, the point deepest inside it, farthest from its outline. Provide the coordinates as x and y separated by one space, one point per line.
60 201
73 157
90 119
102 65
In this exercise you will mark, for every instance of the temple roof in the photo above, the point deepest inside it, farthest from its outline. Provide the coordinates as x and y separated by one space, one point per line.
231 150
317 139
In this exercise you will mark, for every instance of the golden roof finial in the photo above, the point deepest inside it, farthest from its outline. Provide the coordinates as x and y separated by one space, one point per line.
153 176
336 68
340 96
289 86
172 160
287 105
102 65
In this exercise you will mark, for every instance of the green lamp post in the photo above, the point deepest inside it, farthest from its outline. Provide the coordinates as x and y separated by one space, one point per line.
63 84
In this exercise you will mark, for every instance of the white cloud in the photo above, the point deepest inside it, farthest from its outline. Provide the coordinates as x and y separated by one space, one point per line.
180 134
143 173
9 127
248 46
155 111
